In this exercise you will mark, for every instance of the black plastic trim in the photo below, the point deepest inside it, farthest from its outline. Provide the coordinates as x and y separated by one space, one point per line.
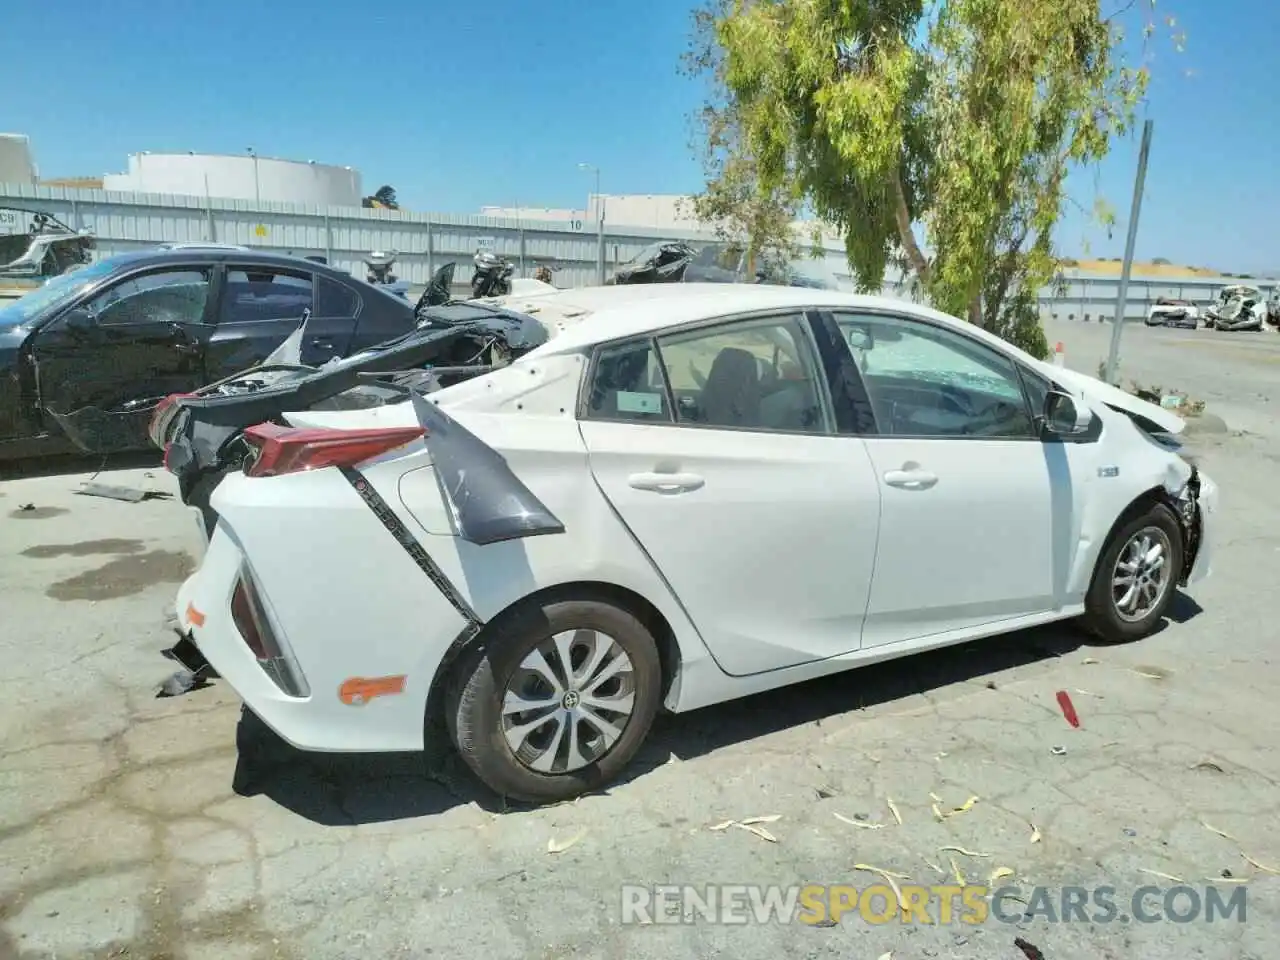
397 529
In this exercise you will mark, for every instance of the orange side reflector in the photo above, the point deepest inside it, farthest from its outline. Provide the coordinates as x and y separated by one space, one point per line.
194 616
357 691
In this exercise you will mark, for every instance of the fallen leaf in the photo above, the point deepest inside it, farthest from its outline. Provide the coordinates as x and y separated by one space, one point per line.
886 956
1208 765
858 823
1089 693
936 869
999 873
935 798
1148 675
1035 833
553 847
962 850
964 807
959 875
940 756
1088 660
1221 833
1260 866
723 826
1162 876
1226 880
760 832
888 878
938 814
894 810
772 818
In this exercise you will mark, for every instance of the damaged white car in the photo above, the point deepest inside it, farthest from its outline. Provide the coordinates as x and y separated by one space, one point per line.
1238 307
691 494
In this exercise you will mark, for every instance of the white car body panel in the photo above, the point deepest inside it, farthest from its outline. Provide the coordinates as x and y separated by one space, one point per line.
790 557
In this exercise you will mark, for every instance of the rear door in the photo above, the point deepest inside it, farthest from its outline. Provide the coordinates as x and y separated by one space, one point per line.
259 307
141 338
719 448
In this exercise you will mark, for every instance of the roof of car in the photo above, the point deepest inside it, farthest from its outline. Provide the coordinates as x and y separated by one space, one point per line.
218 254
618 312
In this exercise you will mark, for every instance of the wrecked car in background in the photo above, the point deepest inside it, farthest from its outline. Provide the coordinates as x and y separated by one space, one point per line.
677 261
1167 312
1238 307
85 357
46 249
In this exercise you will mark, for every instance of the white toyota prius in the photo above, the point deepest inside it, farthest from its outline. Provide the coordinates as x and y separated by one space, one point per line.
689 494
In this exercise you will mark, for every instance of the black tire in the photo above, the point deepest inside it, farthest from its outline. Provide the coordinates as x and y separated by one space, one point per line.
473 706
1101 617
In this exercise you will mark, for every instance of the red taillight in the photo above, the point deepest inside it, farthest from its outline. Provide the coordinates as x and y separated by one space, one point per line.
292 449
160 417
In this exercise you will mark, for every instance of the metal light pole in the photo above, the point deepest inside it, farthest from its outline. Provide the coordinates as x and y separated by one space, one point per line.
257 189
599 221
1113 358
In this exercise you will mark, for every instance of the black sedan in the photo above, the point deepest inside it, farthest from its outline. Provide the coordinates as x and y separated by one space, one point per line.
85 358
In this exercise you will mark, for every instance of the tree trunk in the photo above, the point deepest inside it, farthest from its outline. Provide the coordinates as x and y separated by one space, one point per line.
975 312
915 256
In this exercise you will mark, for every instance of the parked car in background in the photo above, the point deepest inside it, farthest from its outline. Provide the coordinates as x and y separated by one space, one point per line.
690 494
48 248
720 262
1167 312
85 357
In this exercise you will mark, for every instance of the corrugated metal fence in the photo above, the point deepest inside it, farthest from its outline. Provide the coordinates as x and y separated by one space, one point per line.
426 241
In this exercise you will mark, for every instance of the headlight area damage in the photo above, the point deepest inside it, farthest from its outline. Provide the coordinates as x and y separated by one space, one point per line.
1185 498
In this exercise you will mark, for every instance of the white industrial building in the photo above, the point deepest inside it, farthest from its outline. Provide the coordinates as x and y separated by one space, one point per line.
239 177
659 211
16 163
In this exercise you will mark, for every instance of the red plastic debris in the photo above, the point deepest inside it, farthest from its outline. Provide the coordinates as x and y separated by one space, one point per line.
1068 710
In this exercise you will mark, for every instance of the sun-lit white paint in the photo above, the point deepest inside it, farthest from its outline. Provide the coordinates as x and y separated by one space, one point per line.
790 558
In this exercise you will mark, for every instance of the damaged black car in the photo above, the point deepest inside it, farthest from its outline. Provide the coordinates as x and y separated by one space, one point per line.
85 358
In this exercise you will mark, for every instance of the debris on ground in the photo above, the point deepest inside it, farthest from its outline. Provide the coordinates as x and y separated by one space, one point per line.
1068 708
554 847
999 873
1029 949
1221 833
894 810
1208 765
888 878
1089 660
1035 833
752 825
127 494
27 507
1261 866
858 823
1058 751
964 852
1163 876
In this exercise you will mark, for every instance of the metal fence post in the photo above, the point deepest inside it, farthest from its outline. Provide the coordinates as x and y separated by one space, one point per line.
328 237
522 265
1140 180
431 253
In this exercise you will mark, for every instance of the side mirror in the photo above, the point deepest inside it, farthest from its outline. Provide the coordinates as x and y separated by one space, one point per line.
1063 417
79 320
860 338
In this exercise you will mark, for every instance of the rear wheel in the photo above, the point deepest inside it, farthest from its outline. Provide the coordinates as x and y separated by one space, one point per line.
557 701
1136 577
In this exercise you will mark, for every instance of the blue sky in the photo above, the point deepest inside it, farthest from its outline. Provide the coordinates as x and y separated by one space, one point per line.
460 105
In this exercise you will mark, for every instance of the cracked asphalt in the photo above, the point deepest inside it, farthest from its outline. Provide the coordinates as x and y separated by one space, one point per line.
137 827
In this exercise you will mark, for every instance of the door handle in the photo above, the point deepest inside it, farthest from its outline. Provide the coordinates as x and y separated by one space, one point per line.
667 483
910 479
188 349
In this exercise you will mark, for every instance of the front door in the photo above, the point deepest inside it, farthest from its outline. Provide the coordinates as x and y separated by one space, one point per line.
716 447
101 365
976 512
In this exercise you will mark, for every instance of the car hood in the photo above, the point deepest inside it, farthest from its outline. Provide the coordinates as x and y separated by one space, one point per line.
1097 390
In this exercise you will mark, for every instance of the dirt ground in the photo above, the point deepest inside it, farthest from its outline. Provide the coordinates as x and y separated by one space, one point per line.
137 827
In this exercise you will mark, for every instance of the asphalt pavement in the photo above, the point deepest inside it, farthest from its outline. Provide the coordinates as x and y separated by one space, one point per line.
137 827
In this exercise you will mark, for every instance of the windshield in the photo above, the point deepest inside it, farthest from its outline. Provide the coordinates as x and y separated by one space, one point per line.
58 290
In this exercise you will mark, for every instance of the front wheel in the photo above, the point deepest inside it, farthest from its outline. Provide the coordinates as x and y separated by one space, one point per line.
556 701
1136 576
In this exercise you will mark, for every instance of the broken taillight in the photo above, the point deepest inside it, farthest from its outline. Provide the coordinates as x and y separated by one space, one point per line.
281 450
161 416
272 654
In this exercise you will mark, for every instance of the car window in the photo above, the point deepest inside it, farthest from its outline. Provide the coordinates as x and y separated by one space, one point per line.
256 294
747 375
164 296
926 381
336 300
626 384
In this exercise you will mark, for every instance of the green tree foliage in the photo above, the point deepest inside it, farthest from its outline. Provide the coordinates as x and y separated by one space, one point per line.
384 198
935 136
